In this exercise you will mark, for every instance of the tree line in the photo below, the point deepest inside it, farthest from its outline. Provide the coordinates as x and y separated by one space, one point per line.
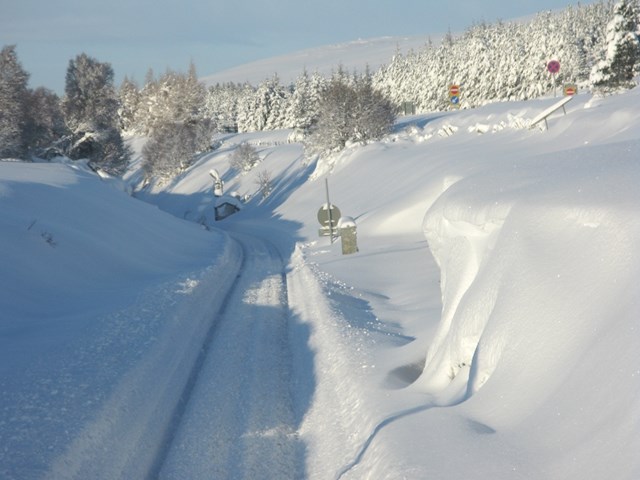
81 125
597 46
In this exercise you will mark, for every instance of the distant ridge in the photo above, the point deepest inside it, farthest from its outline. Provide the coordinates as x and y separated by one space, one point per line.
355 55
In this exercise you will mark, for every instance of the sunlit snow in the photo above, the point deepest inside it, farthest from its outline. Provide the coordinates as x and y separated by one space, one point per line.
486 328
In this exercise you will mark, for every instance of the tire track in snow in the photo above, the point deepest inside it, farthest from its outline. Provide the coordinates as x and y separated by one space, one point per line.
239 421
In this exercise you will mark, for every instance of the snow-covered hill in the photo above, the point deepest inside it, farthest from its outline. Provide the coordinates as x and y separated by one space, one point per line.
352 56
486 328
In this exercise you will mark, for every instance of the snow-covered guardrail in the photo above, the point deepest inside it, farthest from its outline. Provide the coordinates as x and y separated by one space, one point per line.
549 111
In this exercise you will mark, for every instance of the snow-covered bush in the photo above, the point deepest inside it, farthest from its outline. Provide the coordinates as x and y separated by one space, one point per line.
265 185
244 158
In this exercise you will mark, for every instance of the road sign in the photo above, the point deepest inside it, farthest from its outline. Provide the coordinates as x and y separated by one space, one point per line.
454 90
328 215
455 100
570 89
553 66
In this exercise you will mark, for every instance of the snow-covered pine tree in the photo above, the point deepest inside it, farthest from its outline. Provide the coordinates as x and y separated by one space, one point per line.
129 97
303 103
221 106
264 110
500 61
13 95
622 56
146 114
244 119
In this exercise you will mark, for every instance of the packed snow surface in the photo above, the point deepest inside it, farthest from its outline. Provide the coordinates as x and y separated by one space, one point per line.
486 328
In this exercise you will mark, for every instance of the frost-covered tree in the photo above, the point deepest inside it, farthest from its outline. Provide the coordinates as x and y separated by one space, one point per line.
90 101
45 124
172 112
91 113
373 115
13 96
173 147
351 110
622 55
173 98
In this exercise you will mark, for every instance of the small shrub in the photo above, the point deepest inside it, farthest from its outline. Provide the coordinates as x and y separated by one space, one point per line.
264 183
244 158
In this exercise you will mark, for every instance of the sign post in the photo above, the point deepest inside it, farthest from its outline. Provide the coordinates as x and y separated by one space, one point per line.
554 67
328 216
454 95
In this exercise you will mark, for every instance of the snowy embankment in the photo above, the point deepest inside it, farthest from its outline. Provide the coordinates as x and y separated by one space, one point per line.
531 368
104 305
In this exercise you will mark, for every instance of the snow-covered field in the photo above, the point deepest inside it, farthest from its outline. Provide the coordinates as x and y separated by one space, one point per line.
486 328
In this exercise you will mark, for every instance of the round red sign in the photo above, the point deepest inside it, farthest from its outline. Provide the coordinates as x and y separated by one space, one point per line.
454 90
553 66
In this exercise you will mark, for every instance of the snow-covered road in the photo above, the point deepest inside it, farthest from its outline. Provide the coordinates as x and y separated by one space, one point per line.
238 422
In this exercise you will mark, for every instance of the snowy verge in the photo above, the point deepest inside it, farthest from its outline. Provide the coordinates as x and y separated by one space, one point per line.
104 302
337 401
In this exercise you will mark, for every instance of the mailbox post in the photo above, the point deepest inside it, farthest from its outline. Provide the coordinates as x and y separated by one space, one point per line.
348 235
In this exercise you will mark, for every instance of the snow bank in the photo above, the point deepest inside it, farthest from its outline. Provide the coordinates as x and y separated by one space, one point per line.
104 303
532 371
339 402
559 226
538 268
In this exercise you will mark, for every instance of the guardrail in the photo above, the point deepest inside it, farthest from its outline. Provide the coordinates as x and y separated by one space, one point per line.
549 111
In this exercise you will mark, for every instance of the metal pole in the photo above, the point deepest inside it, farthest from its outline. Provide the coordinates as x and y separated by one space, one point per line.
326 184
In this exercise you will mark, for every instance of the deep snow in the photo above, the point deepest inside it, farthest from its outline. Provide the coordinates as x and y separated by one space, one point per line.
487 327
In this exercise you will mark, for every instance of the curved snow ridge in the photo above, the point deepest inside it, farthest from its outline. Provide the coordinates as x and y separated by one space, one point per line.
528 274
128 432
462 234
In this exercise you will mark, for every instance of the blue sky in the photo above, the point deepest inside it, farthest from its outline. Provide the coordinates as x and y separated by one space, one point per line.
135 35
